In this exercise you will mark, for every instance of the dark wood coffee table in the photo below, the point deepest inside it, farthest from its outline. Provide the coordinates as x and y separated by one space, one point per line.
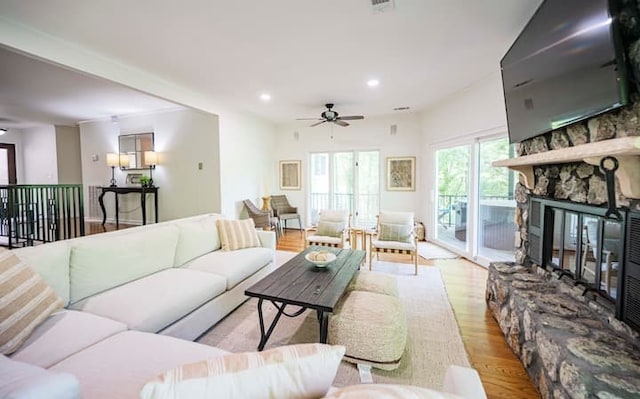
299 283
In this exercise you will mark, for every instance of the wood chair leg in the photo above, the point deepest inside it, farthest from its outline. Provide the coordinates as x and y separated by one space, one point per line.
370 258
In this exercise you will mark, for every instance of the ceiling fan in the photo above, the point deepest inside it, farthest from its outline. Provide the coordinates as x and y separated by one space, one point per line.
332 116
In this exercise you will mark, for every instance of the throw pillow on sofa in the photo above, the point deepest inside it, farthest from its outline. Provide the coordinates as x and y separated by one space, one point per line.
295 371
26 300
237 234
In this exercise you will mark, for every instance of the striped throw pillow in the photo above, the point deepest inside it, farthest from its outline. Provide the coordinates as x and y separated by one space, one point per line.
26 300
295 371
237 234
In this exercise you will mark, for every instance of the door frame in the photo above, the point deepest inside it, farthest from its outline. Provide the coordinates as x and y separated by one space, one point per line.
11 162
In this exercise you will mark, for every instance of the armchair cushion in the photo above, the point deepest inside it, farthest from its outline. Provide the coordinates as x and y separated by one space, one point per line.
396 232
330 229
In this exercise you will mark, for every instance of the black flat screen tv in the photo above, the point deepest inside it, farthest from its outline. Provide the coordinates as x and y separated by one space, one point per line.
566 65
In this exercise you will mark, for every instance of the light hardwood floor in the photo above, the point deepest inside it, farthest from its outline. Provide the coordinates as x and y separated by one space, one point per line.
502 374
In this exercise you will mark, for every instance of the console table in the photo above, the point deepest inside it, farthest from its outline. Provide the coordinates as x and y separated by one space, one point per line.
143 191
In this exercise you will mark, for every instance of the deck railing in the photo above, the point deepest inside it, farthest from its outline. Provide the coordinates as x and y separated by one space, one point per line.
33 214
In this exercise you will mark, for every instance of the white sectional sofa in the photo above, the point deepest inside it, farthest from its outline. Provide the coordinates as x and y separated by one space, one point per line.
169 278
134 299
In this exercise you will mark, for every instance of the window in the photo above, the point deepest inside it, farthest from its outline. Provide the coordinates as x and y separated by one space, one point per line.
346 180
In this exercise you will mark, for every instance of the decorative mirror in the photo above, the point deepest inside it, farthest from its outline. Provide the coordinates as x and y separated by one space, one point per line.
134 146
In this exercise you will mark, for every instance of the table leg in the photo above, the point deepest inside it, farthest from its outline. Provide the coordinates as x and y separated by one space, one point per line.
324 326
143 205
101 202
264 337
155 204
117 211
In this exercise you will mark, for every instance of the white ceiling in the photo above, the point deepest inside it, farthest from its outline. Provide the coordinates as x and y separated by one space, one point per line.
304 53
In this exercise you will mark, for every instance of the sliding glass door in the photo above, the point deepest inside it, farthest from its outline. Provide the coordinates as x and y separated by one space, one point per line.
453 195
345 180
474 209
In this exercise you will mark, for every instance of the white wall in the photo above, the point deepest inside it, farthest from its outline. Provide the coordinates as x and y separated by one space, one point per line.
68 155
183 138
372 133
39 155
247 150
475 112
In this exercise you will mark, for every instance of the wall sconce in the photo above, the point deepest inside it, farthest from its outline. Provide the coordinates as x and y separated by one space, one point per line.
151 159
112 161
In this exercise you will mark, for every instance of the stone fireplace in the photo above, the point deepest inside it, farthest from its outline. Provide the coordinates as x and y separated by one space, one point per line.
561 313
569 306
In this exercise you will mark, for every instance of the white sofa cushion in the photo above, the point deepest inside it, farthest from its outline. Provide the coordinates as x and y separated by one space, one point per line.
154 302
99 263
234 266
294 371
51 261
119 366
387 391
24 381
197 237
63 334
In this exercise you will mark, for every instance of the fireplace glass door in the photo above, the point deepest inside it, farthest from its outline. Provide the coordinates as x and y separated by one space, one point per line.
582 245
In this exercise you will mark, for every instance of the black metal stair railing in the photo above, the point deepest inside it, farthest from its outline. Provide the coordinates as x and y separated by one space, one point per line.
34 214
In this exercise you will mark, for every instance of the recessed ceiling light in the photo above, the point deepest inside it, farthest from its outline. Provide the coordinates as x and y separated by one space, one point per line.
373 82
265 97
2 131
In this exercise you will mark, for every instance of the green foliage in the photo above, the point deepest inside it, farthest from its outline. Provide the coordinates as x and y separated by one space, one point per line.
144 180
453 169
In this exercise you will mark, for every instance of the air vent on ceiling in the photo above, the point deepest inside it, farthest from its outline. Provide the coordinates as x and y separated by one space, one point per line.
382 5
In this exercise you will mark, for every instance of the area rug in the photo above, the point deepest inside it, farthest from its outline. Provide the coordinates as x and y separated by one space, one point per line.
431 251
433 342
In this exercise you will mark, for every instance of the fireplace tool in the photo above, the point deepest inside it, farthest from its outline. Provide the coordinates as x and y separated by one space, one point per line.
609 165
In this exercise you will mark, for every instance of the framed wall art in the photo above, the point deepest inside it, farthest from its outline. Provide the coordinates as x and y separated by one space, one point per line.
401 173
290 175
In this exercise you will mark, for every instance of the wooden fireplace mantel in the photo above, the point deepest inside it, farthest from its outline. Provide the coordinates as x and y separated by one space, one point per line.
625 149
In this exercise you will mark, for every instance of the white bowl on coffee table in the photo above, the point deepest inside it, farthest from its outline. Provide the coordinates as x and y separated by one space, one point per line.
321 263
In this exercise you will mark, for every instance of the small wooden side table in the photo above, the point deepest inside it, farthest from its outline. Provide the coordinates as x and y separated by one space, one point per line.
266 203
354 233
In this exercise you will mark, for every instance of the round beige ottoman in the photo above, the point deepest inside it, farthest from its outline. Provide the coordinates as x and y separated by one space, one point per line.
372 327
374 282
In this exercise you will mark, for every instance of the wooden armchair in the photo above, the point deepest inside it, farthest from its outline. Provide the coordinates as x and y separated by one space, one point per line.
283 210
332 230
263 219
395 234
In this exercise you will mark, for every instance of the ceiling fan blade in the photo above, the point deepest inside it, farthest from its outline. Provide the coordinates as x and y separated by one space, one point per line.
341 123
308 119
316 124
351 118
